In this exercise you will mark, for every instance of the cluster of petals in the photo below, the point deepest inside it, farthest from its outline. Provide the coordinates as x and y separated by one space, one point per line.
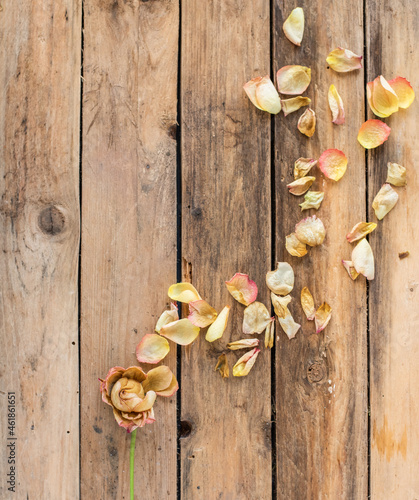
386 97
321 316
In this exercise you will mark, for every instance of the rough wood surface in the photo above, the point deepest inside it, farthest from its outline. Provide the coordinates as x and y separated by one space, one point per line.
128 231
225 229
321 384
39 220
392 31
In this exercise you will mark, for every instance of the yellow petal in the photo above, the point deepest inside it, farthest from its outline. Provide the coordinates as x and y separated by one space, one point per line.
147 403
370 91
294 104
360 230
167 317
404 91
201 313
289 326
363 259
158 379
171 389
396 174
243 343
267 96
183 292
343 60
300 186
307 303
336 106
281 281
293 80
311 231
384 201
333 164
322 317
222 366
294 246
255 318
270 335
281 305
312 199
373 133
349 266
294 26
216 330
384 99
182 332
245 363
152 349
243 289
307 122
303 166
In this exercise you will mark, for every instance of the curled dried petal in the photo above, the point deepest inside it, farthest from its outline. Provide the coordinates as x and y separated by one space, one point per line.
183 292
201 313
250 89
152 348
243 289
161 380
281 281
360 230
294 246
307 303
343 60
322 317
255 319
222 366
216 330
167 317
311 231
336 106
289 326
381 97
303 166
396 174
350 268
312 199
245 363
281 305
384 201
243 343
263 94
307 122
404 91
294 104
270 335
300 186
370 92
373 133
363 259
293 80
333 164
182 332
294 26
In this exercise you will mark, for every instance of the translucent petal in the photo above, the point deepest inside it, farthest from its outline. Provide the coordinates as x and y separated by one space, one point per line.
152 348
182 332
222 366
201 313
281 281
267 96
370 91
396 174
250 89
167 317
360 230
307 122
303 166
349 266
294 26
293 80
312 199
343 60
322 317
373 133
243 289
245 363
216 330
255 318
270 335
294 246
384 99
289 326
300 186
363 259
311 231
281 305
333 164
336 106
307 303
384 201
404 91
294 104
243 344
183 292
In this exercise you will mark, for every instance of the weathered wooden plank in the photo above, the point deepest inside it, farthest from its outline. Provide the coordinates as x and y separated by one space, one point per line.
321 384
225 229
39 131
128 230
392 34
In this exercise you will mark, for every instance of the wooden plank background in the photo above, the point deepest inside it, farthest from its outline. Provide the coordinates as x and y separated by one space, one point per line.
134 112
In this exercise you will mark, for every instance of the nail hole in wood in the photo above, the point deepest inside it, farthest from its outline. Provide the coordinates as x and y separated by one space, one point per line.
51 220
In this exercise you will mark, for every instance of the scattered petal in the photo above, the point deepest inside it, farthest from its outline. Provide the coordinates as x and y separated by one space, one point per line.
270 335
310 231
307 122
222 366
303 166
336 106
307 303
403 255
384 201
256 318
360 230
404 91
333 164
281 305
294 246
294 104
294 26
293 80
250 89
216 330
289 326
281 281
152 349
183 292
322 317
201 313
363 259
182 332
243 289
370 92
373 133
263 94
300 186
245 363
312 199
381 97
350 268
167 316
396 174
343 60
243 344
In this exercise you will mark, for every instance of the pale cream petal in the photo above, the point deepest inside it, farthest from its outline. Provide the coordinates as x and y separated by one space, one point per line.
294 246
307 303
250 89
216 330
294 26
245 363
270 335
293 80
255 318
343 60
243 289
183 292
350 268
281 281
243 343
336 106
289 326
281 305
360 230
303 166
385 200
167 316
182 332
322 317
294 104
363 259
267 96
300 186
311 231
201 313
152 348
396 174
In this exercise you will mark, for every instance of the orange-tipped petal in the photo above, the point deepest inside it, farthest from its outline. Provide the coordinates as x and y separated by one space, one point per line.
336 106
152 349
404 91
281 281
183 292
243 344
245 363
243 289
333 164
384 201
201 313
294 246
216 330
300 186
312 199
383 98
294 26
182 332
307 303
222 366
360 230
167 316
363 259
343 60
281 305
270 335
294 104
303 166
307 122
267 96
322 317
373 133
255 318
289 326
293 80
250 89
396 174
350 268
311 231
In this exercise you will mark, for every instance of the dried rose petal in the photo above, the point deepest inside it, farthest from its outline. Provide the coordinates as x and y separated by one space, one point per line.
349 266
322 317
396 174
289 326
243 344
201 313
182 332
281 281
167 316
216 330
245 363
256 318
384 201
343 60
162 381
294 26
311 231
363 259
312 199
263 94
360 230
370 92
294 246
381 97
183 292
300 186
293 80
336 106
243 289
303 166
373 133
307 122
333 164
307 303
250 89
152 348
270 335
281 305
222 366
404 91
294 104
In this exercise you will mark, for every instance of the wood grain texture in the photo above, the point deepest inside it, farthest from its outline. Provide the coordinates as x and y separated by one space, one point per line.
225 229
321 384
392 31
39 220
128 231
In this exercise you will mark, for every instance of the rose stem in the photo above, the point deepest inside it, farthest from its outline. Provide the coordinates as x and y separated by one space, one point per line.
131 463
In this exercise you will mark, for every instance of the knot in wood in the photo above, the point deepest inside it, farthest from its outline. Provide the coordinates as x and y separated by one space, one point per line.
197 212
316 372
51 220
185 428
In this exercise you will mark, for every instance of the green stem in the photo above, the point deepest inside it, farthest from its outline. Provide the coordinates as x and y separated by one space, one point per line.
131 464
